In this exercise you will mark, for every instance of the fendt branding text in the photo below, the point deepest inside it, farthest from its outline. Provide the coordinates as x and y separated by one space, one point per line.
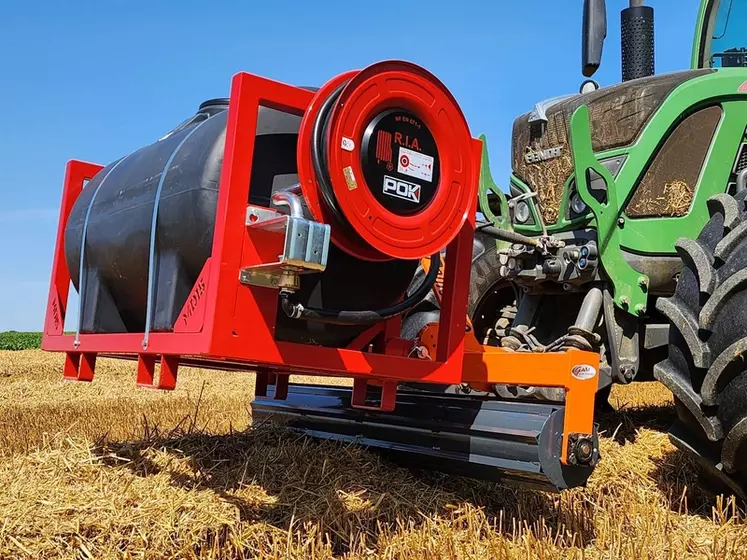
537 156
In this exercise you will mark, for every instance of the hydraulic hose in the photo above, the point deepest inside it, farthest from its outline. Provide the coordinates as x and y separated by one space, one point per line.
296 310
506 235
319 136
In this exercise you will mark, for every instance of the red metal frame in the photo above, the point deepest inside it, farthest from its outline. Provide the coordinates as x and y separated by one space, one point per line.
76 174
225 321
227 325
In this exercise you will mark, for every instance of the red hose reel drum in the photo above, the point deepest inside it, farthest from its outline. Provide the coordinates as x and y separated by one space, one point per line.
384 157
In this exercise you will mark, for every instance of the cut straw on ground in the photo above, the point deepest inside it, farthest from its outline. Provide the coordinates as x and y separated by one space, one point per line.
106 470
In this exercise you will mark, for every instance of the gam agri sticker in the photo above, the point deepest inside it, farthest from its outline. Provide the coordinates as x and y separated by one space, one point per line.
584 371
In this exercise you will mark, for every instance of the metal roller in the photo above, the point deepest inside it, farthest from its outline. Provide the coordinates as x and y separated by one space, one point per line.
512 442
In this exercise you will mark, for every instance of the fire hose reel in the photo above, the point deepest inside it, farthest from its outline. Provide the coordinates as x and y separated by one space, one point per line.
384 158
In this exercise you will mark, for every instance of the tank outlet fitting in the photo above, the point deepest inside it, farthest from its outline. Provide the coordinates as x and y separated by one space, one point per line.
289 280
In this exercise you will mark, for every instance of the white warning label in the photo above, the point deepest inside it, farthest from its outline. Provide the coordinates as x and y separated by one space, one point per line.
415 164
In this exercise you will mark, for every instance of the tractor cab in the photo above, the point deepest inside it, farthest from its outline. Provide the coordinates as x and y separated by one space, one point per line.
721 40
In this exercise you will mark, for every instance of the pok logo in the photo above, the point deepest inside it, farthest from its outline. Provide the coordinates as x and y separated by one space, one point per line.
401 189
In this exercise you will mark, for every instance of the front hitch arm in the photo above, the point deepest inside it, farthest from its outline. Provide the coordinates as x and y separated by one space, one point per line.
630 287
488 186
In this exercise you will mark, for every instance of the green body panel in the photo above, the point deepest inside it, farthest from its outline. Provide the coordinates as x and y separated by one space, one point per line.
629 286
654 236
644 236
658 235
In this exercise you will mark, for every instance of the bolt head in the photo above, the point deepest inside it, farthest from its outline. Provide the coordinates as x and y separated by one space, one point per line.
624 301
627 371
621 221
584 450
640 309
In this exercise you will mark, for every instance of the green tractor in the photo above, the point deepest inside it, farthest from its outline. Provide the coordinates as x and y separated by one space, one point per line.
625 230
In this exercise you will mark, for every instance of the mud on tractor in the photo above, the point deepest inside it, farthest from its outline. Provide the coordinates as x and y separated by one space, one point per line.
354 230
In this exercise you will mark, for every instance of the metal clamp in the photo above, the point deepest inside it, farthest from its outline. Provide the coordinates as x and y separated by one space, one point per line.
83 272
305 246
153 226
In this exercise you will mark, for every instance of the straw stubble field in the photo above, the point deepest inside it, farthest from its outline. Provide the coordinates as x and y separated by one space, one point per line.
104 470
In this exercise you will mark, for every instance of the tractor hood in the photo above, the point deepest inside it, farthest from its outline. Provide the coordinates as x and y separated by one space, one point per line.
541 152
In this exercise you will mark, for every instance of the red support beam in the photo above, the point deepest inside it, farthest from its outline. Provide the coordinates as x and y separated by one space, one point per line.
87 366
76 173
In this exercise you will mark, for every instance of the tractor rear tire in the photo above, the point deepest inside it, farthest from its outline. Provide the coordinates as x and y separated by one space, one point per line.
707 365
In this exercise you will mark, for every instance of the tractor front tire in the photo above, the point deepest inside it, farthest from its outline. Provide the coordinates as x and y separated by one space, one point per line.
489 292
707 365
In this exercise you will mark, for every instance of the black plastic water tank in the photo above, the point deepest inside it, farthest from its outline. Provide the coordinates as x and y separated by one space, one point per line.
119 203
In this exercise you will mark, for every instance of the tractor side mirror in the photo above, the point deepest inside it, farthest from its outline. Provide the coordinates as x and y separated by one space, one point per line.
594 33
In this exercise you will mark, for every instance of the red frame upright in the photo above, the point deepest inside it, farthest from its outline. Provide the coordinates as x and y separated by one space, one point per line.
226 324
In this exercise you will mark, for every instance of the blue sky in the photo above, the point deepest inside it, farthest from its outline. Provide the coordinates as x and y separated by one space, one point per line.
95 80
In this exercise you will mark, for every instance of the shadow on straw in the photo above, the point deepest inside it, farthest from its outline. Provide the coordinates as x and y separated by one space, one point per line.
623 424
274 476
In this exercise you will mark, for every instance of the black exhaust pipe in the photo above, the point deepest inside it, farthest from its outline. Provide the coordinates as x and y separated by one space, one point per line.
594 32
637 25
